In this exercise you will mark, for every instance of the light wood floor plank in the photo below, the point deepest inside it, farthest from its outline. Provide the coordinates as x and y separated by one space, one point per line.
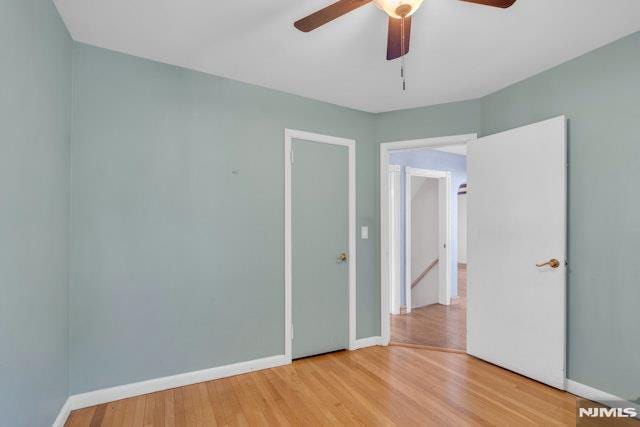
377 386
484 392
435 325
81 418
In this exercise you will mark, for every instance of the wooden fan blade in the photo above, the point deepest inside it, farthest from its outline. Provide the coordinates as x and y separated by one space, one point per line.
328 14
395 46
495 3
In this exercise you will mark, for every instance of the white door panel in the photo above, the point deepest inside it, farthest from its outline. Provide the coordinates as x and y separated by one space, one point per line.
516 219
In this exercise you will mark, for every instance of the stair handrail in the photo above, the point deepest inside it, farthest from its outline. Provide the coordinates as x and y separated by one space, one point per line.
425 272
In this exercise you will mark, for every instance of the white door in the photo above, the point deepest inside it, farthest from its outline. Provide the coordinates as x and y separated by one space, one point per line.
517 220
427 251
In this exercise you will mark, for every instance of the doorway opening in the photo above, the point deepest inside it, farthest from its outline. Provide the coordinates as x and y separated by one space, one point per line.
428 261
516 233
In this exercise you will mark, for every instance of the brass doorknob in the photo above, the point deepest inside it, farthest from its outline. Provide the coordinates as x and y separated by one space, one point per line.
343 257
553 263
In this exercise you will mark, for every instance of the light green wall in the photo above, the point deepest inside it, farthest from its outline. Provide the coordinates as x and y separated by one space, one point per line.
35 99
189 255
456 118
178 205
600 95
177 261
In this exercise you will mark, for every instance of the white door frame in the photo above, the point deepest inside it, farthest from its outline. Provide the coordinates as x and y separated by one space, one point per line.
385 148
444 233
289 136
394 248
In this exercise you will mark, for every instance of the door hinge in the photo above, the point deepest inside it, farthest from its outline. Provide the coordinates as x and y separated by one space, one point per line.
291 155
292 332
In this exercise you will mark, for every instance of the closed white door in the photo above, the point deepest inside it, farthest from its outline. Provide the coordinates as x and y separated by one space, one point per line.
516 250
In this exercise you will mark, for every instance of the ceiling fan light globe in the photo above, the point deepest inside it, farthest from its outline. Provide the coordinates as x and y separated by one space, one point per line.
393 7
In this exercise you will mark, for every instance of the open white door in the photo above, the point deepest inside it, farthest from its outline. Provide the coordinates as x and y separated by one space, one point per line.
516 219
418 268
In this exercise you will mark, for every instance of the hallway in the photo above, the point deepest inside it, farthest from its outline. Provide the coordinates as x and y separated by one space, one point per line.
436 325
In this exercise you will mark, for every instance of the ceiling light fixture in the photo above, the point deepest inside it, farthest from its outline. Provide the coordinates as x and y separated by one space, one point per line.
398 9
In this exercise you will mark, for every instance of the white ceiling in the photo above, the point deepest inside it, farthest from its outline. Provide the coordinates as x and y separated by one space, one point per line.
459 50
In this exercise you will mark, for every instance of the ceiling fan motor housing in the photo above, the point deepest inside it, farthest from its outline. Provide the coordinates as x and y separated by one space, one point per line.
403 10
399 9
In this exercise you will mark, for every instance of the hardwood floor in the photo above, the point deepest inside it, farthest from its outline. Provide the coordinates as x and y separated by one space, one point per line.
435 325
373 386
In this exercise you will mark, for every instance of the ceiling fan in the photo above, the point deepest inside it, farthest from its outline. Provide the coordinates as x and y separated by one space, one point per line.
399 12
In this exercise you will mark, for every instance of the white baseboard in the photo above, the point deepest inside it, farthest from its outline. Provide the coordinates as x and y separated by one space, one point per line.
63 414
98 397
599 396
368 342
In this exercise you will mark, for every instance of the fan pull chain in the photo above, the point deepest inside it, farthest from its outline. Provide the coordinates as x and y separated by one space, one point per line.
402 75
402 63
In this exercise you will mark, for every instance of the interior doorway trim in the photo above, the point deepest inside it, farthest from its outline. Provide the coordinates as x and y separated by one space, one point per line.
394 232
444 232
385 149
289 136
